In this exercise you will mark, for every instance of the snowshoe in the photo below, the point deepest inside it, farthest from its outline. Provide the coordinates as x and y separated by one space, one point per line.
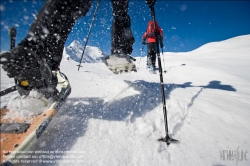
18 133
120 63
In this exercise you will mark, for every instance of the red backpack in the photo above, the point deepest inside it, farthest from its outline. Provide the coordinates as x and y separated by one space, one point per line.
150 29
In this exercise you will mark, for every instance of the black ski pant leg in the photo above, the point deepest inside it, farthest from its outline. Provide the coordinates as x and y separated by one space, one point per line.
121 35
154 54
49 32
152 47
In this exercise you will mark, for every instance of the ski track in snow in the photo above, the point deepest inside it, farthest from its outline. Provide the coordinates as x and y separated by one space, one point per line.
117 119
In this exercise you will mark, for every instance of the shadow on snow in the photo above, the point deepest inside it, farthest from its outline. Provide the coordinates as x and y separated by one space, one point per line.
71 121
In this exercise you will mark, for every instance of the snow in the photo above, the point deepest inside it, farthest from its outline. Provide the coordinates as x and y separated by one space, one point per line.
20 107
116 119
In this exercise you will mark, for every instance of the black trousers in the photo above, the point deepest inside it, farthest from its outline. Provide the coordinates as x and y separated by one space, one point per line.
49 32
152 50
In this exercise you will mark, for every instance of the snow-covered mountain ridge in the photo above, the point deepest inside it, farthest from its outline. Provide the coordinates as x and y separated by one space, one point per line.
75 49
231 44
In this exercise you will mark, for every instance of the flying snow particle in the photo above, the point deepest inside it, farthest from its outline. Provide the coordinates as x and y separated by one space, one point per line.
45 31
34 15
173 28
2 8
31 34
3 60
26 17
183 7
58 37
46 12
6 27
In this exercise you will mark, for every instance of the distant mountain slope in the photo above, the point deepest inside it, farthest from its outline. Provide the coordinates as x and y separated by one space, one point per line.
231 44
75 49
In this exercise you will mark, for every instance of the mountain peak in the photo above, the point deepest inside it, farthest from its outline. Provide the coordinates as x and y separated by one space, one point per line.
75 43
91 54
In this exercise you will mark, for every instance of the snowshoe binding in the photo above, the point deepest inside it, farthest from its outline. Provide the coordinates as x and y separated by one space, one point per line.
120 63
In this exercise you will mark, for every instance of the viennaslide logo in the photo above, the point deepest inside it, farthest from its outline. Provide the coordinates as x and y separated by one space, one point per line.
237 155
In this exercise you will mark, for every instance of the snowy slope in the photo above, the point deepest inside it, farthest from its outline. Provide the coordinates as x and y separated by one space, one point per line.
116 119
75 49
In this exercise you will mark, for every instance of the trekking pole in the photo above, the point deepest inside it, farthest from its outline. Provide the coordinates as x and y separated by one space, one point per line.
167 138
163 60
8 90
12 34
90 28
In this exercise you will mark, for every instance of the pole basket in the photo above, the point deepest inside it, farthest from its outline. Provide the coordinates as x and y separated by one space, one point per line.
168 140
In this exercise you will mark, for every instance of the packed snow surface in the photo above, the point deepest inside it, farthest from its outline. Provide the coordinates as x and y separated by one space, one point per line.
116 119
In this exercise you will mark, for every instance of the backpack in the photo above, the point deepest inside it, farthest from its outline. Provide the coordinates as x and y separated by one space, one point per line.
150 29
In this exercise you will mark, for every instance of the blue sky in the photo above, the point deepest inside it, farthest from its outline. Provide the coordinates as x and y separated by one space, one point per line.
187 25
